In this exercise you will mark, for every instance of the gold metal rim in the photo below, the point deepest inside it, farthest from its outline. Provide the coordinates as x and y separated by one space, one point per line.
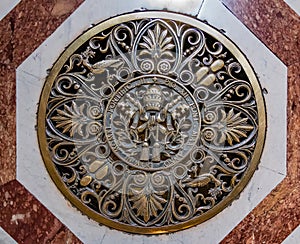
135 16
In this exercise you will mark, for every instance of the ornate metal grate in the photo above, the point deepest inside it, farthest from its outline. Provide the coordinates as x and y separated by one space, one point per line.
151 122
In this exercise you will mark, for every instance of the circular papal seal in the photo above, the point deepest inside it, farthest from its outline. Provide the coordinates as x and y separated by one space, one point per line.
151 122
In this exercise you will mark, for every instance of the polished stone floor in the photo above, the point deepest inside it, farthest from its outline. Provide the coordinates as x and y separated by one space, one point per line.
31 22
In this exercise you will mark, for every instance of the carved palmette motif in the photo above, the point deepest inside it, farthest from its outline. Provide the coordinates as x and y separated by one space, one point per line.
151 123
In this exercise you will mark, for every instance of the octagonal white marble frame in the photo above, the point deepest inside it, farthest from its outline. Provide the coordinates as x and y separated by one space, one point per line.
31 75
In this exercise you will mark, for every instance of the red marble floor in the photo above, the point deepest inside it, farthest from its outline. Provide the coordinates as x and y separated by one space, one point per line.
32 21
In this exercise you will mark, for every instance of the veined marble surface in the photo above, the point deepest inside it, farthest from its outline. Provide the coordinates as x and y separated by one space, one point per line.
6 238
294 4
32 173
293 238
6 6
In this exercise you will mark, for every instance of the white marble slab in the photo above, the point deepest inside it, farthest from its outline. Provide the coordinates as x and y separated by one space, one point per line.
6 6
32 173
294 4
6 238
294 237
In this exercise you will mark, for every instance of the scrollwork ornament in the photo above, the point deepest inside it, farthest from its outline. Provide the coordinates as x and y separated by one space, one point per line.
152 123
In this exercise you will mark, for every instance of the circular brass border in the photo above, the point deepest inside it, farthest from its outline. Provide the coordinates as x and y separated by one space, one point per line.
135 16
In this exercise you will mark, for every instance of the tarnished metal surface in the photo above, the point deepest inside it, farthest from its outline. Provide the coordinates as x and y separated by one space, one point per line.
151 122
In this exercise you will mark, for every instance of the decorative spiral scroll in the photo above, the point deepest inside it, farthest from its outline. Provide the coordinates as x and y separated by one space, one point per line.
152 122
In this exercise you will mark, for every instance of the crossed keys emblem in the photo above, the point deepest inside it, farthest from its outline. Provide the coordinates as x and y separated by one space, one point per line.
154 126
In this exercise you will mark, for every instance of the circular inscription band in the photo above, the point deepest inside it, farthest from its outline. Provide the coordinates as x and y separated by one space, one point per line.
151 122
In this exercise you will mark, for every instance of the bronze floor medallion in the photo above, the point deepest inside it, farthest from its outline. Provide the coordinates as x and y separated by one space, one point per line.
151 122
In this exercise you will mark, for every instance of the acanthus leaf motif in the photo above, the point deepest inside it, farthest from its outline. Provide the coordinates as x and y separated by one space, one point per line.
71 119
147 201
157 44
233 127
